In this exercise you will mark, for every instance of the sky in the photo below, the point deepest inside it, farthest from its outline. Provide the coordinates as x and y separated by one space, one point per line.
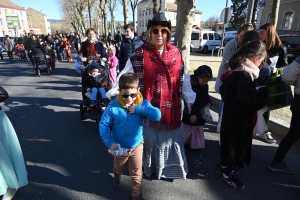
52 10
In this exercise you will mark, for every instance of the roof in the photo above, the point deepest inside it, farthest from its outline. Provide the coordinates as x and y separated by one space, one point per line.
36 11
9 4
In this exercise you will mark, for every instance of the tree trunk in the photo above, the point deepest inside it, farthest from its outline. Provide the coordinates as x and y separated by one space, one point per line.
185 17
125 11
274 15
155 7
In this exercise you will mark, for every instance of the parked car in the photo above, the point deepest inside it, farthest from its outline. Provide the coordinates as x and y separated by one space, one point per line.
227 39
205 40
292 44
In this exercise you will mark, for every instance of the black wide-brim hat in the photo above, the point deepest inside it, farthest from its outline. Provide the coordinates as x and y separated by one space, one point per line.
159 19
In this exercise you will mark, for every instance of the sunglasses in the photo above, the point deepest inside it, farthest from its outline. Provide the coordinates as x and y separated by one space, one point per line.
125 96
163 31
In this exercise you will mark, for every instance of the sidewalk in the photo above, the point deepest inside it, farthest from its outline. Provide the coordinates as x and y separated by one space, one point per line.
279 119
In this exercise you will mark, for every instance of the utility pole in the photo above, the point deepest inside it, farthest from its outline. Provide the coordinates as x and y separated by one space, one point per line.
250 11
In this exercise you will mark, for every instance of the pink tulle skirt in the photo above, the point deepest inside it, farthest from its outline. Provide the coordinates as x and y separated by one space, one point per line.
193 135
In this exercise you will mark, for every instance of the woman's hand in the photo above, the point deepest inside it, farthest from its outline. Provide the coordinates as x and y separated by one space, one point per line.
104 59
193 118
114 146
83 59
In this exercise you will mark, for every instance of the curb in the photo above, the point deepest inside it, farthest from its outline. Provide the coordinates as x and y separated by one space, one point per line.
273 126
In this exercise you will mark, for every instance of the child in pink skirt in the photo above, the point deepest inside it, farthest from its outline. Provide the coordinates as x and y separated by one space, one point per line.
192 123
112 63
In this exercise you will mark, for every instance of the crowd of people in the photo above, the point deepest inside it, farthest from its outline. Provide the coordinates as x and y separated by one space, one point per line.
156 107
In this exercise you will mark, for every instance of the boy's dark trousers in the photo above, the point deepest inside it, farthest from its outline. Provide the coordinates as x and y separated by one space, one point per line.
58 54
135 165
1 56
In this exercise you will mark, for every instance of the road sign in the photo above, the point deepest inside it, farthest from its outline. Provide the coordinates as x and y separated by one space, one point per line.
225 15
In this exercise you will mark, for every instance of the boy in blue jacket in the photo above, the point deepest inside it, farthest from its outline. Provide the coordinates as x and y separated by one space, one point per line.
122 125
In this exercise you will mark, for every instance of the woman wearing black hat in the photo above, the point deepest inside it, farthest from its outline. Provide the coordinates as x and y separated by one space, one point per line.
192 123
163 81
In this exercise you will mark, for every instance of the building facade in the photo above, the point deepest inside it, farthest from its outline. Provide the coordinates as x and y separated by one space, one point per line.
168 7
38 21
288 15
13 19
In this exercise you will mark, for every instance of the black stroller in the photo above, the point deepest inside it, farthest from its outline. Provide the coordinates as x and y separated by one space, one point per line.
40 62
99 108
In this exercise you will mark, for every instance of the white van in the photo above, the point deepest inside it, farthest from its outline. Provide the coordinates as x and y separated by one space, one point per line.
205 40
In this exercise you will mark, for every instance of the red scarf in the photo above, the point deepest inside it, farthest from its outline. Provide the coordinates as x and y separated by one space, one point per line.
162 81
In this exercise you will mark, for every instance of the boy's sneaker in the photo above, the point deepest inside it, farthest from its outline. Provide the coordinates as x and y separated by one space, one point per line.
9 194
117 180
138 198
232 182
267 137
280 167
221 170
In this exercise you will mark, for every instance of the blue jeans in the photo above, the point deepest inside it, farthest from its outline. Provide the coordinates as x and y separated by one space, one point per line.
95 92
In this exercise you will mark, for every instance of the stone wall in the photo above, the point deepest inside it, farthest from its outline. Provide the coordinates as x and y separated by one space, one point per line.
37 19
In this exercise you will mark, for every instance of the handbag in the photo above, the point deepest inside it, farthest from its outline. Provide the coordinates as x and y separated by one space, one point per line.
280 93
3 94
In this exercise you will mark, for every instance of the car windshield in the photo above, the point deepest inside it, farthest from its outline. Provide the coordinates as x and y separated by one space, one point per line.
290 40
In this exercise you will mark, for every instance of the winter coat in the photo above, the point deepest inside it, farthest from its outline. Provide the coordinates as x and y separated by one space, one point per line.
113 60
202 99
291 76
35 47
229 50
8 44
281 53
89 49
119 126
126 50
241 101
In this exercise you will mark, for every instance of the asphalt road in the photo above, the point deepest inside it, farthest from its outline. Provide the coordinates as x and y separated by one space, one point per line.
66 158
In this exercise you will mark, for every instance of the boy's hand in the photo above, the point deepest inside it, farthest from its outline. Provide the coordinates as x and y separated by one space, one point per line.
88 89
114 147
131 108
193 118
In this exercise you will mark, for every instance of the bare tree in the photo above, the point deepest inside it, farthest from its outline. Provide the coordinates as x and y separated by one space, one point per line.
90 4
133 5
124 3
112 7
154 6
103 7
185 16
211 22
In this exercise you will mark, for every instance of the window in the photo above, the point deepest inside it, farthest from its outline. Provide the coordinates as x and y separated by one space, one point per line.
21 13
175 15
143 23
143 12
195 36
23 24
146 23
140 24
211 36
205 36
288 20
217 36
140 12
146 12
5 10
1 22
268 18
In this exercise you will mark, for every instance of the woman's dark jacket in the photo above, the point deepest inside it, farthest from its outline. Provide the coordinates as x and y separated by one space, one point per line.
35 47
241 101
281 52
202 99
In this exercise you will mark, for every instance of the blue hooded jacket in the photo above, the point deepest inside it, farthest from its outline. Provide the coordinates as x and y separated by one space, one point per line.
119 126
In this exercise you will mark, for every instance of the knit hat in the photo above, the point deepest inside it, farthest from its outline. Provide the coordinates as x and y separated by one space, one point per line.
94 65
203 69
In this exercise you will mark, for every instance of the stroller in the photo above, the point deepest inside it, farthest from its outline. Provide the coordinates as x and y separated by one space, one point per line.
99 108
40 61
21 54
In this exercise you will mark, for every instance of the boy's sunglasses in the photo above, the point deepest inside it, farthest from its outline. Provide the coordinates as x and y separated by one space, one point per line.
125 96
163 31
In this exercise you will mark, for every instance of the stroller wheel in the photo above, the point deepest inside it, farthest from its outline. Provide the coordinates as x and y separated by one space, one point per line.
82 111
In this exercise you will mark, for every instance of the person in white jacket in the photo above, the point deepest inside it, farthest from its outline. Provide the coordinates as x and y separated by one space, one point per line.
291 76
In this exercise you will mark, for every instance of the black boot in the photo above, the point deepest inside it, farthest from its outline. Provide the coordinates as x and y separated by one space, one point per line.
117 179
